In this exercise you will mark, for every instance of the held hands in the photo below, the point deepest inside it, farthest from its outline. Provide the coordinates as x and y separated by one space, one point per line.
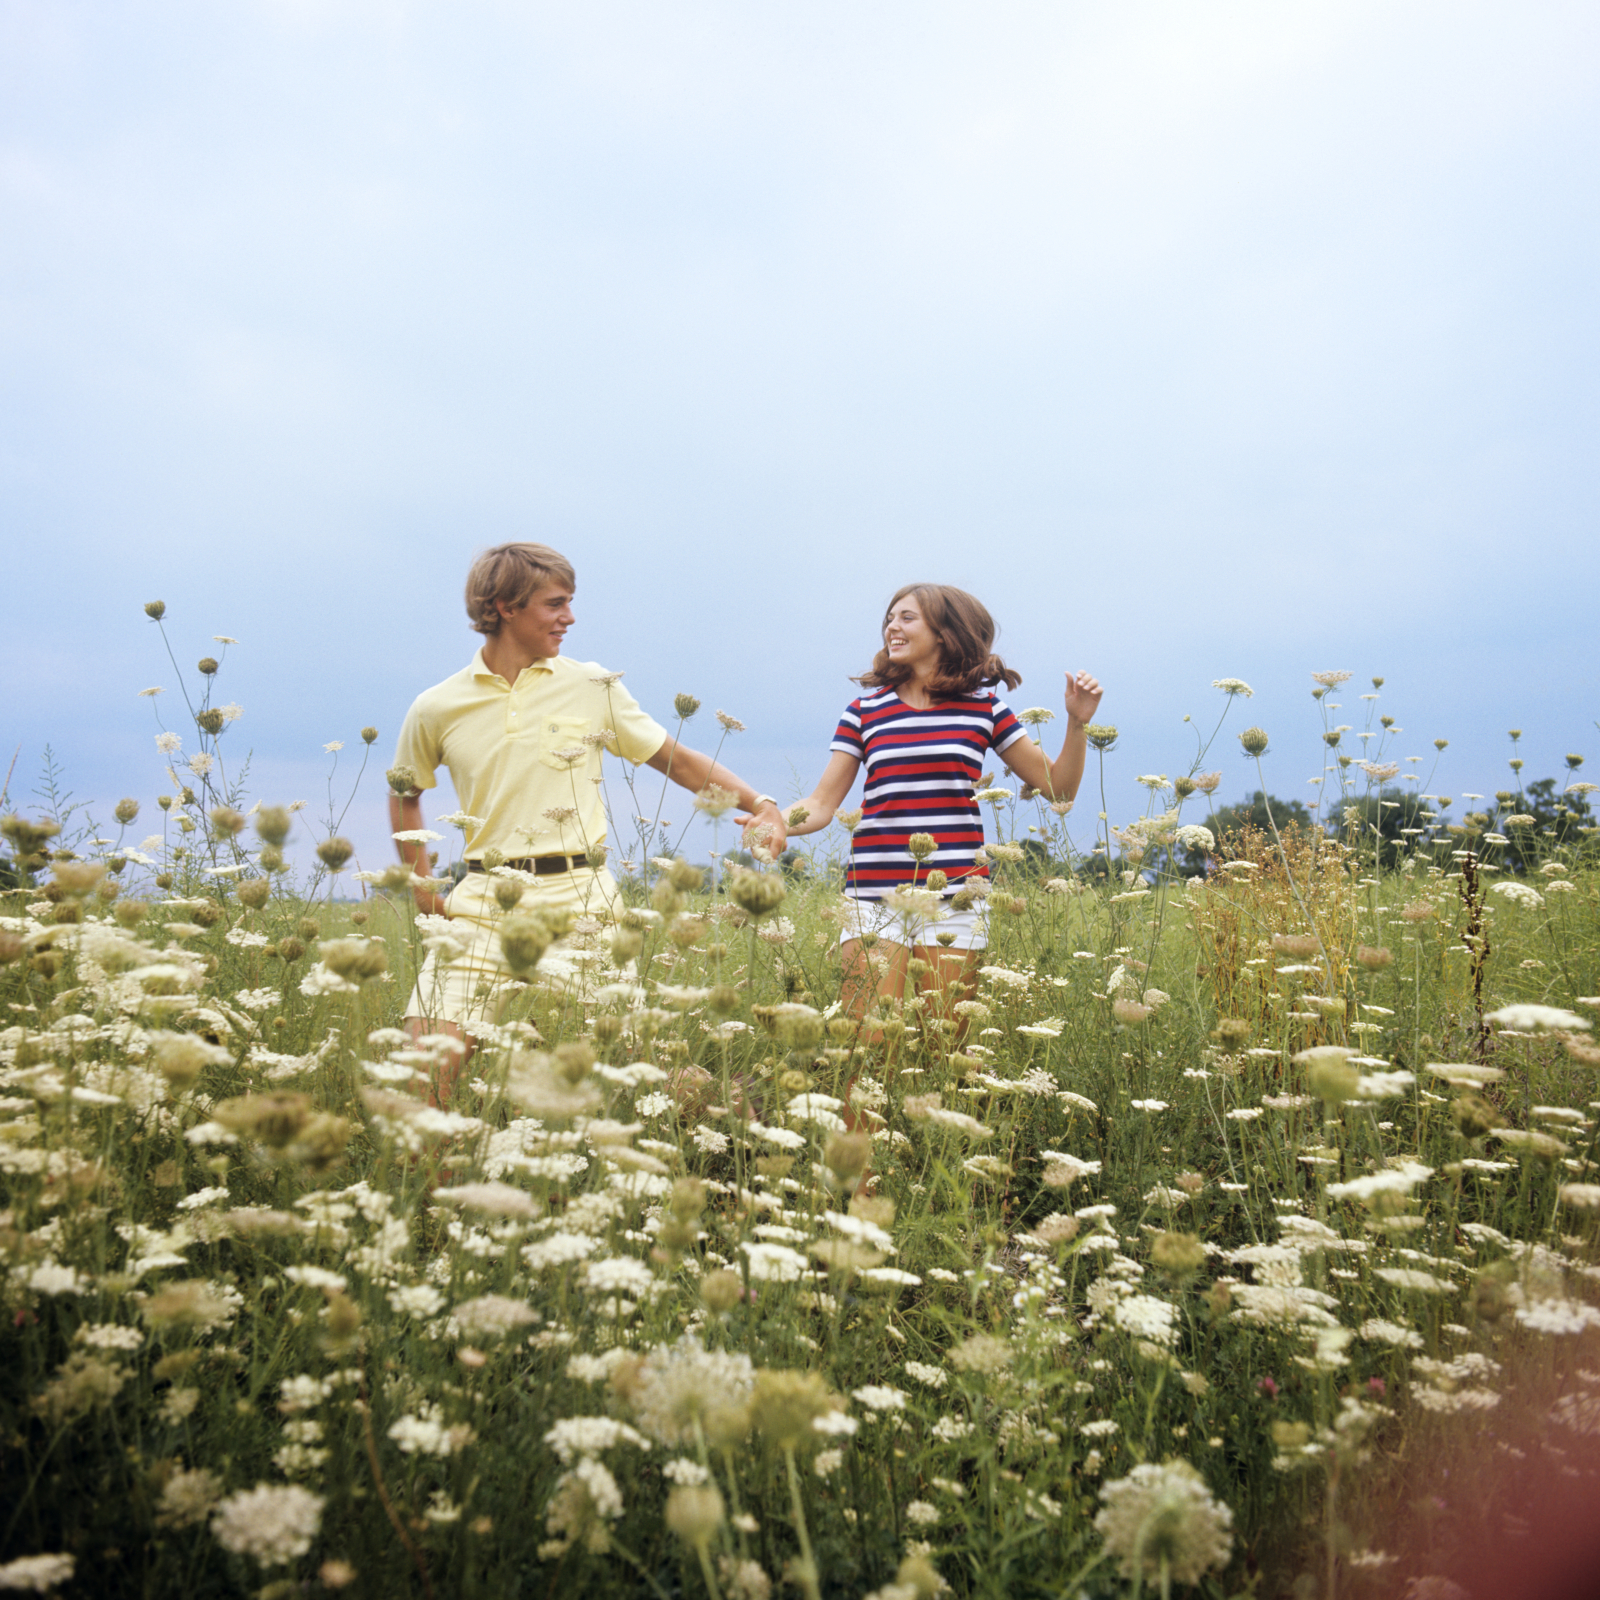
764 832
1083 697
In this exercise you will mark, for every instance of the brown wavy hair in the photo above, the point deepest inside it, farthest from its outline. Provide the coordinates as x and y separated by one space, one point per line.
965 633
513 573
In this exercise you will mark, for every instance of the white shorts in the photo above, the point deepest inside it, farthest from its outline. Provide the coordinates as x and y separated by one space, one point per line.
971 928
472 987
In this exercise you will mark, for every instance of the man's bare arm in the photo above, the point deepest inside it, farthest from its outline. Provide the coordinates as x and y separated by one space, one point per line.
694 770
405 814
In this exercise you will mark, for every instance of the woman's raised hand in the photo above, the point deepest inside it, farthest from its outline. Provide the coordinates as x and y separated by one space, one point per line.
1083 696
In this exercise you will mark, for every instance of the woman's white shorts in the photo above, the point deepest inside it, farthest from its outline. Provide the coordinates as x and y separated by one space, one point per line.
970 928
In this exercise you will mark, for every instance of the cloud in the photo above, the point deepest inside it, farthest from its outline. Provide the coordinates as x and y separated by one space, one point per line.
1193 340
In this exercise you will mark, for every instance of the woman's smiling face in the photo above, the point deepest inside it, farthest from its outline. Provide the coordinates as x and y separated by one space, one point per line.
909 639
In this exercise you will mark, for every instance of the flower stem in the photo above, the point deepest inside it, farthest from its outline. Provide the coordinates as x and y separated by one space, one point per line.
806 1573
706 1572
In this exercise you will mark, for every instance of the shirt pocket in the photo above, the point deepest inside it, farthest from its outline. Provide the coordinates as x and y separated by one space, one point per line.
563 734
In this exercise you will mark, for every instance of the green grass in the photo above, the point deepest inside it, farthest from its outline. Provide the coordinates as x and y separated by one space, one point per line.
995 1475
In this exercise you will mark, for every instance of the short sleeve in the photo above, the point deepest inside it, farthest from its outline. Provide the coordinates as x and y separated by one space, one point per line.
638 734
419 748
1006 730
847 738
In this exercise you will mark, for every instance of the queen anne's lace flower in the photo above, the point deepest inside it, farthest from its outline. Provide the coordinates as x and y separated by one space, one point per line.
272 1523
37 1574
426 1434
619 1275
490 1315
1392 1333
1529 1018
774 1263
585 1499
1520 894
1419 1282
680 1383
1559 1316
588 1436
1165 1518
1401 1179
1145 1317
880 1397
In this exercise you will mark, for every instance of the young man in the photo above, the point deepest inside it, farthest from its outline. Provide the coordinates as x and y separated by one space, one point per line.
521 731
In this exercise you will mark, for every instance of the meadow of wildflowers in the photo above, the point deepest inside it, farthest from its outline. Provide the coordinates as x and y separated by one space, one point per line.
1233 1232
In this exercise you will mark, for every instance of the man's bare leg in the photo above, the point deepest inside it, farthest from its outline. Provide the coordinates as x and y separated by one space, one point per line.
447 1074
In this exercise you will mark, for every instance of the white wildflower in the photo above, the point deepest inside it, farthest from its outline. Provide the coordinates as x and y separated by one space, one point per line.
1529 1018
774 1263
272 1523
1558 1316
1417 1282
588 1436
37 1574
679 1383
878 1398
1162 1520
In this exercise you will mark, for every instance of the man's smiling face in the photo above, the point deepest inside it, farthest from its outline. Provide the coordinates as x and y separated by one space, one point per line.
540 623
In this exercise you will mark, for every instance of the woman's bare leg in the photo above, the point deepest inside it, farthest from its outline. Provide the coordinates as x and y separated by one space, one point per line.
870 975
447 1074
951 976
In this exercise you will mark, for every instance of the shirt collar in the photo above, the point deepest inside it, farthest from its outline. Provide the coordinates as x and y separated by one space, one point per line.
482 669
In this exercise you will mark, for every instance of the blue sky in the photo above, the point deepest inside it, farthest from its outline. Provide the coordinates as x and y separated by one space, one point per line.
1238 340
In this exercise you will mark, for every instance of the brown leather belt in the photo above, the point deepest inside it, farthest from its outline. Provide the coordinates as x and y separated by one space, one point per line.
542 866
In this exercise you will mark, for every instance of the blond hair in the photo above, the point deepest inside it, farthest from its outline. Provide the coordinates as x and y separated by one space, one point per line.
512 574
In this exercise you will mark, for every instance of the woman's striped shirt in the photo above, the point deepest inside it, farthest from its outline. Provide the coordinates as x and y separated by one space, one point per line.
922 769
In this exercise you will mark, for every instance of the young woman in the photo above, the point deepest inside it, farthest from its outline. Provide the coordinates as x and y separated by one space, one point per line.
923 728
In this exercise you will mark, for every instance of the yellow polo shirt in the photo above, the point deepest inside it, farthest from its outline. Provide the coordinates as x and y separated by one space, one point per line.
525 757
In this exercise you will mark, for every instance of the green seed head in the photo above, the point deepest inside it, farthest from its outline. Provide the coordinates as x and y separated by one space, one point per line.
524 940
356 960
226 823
1179 1255
756 892
335 853
273 824
683 876
1330 1075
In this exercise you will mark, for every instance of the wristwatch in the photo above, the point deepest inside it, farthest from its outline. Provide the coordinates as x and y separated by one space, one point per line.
765 800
